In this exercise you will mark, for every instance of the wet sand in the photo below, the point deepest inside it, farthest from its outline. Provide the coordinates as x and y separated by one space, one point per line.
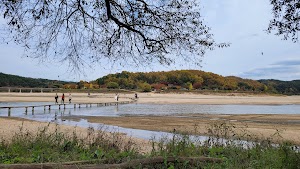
262 126
277 127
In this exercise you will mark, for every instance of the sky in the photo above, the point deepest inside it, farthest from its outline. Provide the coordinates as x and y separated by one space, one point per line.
253 53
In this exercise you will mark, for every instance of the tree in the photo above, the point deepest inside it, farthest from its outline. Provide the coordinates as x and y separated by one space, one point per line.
286 20
112 85
145 87
81 84
188 86
197 85
126 31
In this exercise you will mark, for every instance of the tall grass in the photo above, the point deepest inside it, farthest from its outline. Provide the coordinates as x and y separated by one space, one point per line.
57 146
237 150
100 146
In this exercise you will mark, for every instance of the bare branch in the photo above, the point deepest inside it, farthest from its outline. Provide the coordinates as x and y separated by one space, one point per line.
130 31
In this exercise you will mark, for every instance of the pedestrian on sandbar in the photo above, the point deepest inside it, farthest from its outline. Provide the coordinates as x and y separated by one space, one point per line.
56 97
63 98
135 95
70 98
116 97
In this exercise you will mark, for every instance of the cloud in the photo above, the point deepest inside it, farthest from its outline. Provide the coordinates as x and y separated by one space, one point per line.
288 63
282 70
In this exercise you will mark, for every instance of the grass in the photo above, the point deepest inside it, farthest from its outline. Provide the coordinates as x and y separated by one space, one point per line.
56 146
236 153
99 146
258 156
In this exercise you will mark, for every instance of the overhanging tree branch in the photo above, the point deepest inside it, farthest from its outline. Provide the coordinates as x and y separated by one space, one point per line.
130 32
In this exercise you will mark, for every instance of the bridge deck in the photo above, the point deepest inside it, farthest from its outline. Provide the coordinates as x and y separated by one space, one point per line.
47 105
79 105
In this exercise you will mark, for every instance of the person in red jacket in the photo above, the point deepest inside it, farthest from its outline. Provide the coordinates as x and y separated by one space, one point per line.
63 98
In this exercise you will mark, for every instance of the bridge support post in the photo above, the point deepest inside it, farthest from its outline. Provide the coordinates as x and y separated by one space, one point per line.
26 110
9 111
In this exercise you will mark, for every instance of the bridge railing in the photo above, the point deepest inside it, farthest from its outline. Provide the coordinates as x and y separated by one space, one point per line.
27 90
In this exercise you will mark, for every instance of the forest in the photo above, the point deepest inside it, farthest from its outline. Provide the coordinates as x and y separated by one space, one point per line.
194 80
183 80
7 80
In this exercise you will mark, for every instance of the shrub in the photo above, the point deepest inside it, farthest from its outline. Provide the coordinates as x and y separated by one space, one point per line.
145 87
112 85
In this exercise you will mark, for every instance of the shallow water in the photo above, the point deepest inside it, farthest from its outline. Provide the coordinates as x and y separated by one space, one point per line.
158 109
56 115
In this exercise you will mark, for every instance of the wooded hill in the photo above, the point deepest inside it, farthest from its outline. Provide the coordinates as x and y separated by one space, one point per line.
283 87
7 80
194 80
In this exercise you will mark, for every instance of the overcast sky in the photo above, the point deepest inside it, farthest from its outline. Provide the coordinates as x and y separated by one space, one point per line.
253 53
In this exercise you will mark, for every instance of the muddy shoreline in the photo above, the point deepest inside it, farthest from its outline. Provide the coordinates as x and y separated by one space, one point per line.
286 127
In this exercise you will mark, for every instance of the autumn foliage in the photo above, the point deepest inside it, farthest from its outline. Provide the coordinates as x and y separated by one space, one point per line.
180 79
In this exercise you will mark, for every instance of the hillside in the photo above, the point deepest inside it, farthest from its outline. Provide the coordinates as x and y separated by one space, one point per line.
18 81
194 80
283 87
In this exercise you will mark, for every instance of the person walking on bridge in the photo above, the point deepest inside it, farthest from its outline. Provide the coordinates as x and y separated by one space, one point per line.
56 97
70 98
63 98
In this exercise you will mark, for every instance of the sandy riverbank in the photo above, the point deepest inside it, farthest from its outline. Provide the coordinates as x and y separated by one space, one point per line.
49 97
259 125
157 98
189 98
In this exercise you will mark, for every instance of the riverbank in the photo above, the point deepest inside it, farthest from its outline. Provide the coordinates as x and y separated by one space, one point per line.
11 126
248 126
156 98
260 126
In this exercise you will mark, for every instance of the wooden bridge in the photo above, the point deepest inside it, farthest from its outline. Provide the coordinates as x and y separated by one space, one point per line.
27 90
63 106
